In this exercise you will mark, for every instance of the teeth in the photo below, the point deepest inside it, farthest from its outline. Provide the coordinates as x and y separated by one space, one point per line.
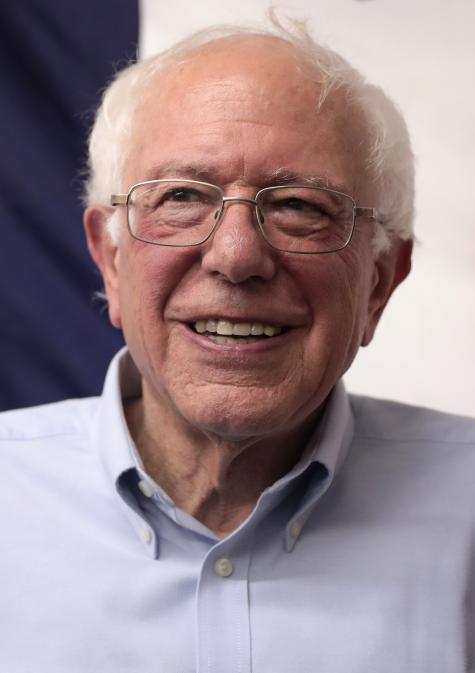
211 325
232 340
269 330
242 328
226 328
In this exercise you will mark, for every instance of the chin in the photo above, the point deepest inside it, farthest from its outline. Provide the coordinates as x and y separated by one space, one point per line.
234 419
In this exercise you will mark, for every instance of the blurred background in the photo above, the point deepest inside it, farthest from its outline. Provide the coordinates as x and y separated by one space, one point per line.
56 58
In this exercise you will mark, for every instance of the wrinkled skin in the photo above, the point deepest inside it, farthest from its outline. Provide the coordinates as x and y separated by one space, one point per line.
232 115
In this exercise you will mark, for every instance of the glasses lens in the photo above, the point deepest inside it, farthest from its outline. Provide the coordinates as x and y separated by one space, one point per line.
171 212
305 219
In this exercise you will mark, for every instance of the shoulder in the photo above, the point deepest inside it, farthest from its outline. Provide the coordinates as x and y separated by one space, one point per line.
51 443
59 419
415 463
397 422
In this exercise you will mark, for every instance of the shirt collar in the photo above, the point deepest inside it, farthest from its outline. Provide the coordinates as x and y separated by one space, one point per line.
329 442
327 449
114 444
324 453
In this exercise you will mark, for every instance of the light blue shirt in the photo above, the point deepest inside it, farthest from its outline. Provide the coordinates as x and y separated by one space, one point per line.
360 560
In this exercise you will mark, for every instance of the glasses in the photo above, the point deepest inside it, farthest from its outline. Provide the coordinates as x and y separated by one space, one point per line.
293 218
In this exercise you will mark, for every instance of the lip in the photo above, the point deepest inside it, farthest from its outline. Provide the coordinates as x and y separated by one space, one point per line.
260 311
240 319
260 346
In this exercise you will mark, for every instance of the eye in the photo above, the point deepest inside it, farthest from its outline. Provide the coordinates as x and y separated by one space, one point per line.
182 195
300 207
293 203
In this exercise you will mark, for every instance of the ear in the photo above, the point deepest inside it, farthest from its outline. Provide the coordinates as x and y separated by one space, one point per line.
105 254
390 269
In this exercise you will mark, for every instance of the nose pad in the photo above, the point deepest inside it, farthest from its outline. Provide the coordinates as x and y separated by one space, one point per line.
218 214
260 216
237 250
257 213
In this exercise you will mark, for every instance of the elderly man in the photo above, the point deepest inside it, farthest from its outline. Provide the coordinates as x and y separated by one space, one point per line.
225 506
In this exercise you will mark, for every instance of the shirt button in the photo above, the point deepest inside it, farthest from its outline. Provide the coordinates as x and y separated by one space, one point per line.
146 488
223 567
295 529
146 534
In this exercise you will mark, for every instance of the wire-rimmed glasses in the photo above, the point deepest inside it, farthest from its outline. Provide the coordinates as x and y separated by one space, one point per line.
293 218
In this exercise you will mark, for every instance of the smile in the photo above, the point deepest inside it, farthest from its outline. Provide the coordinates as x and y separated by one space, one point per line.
227 332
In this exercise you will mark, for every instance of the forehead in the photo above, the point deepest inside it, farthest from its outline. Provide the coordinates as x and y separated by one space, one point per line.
249 94
265 62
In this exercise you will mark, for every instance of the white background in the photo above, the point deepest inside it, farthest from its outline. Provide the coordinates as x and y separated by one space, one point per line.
422 53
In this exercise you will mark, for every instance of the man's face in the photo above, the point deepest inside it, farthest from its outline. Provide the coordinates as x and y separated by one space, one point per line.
233 116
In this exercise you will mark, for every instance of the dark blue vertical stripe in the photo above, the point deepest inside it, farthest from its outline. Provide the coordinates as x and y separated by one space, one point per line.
55 58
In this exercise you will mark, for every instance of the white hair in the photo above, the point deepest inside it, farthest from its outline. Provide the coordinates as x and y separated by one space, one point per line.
389 161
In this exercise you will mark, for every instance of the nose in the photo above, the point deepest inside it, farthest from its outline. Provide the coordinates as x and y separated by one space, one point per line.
237 251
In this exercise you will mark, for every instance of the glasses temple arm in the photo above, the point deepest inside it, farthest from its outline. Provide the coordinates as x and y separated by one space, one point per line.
119 199
372 213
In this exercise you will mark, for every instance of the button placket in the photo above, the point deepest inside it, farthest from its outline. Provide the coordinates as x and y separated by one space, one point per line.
223 634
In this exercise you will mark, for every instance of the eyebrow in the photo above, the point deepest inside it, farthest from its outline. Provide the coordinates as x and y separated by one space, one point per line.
282 176
178 169
279 176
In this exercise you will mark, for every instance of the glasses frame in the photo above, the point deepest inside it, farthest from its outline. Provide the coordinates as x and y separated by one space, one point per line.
358 211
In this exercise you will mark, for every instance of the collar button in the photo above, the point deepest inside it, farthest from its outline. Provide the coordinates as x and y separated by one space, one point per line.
223 567
295 529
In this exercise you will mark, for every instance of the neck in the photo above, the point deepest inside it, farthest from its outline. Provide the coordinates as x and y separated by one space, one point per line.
215 479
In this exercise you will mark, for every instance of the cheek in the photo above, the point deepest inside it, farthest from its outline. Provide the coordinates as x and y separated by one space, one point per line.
339 295
148 276
143 291
135 288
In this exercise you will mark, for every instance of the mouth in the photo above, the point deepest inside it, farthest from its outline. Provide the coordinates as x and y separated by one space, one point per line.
227 332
